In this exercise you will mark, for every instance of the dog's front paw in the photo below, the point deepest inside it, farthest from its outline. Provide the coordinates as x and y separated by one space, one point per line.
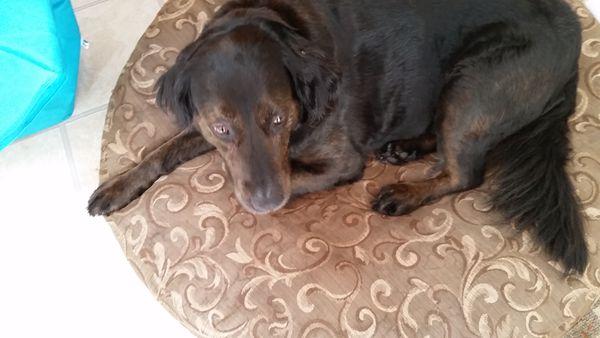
396 200
395 154
112 196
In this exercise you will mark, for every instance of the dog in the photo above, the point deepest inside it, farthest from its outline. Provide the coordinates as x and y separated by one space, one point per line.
297 95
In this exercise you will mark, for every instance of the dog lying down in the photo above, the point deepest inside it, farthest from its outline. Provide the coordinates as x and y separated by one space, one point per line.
296 95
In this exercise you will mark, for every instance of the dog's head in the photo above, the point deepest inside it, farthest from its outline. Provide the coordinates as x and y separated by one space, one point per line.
248 83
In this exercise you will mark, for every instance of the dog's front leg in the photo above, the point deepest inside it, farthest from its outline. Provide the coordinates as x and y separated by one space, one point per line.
121 190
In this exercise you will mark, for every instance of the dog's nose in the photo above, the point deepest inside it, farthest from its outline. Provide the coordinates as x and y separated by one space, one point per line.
266 199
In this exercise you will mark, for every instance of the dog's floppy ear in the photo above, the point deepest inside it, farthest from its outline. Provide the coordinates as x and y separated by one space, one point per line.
174 89
315 77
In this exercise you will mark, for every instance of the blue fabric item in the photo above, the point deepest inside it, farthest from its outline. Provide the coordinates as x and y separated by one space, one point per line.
39 62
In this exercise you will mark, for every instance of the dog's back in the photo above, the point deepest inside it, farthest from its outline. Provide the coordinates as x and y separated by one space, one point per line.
396 56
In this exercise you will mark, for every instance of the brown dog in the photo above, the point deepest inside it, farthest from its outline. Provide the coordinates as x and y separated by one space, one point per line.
295 95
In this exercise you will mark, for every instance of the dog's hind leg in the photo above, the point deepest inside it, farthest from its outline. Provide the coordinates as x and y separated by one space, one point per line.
476 112
497 105
462 160
492 90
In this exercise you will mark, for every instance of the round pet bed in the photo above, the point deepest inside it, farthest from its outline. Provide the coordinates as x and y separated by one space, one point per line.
327 265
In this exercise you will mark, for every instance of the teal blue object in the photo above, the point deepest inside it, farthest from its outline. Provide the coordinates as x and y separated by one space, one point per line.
39 62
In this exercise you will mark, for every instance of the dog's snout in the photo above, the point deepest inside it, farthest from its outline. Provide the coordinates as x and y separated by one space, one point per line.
266 198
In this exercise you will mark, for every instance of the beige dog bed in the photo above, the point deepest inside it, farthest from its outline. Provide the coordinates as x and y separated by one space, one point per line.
327 265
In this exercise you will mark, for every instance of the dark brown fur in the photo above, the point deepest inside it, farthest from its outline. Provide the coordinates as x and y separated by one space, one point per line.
295 95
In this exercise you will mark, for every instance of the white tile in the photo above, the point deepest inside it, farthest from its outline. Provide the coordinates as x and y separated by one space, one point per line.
33 167
112 29
594 7
63 272
84 135
81 4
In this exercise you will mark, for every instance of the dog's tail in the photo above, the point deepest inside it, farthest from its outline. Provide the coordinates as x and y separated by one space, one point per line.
531 186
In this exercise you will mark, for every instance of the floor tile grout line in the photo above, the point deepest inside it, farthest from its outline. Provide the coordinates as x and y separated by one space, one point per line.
87 113
88 5
72 119
70 159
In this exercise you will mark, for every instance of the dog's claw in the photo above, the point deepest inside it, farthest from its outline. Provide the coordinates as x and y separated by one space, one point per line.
394 154
394 200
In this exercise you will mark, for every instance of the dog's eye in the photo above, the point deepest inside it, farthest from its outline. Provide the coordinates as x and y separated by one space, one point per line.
278 120
221 129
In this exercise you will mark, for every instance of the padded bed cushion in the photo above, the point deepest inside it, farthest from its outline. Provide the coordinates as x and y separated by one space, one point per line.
327 265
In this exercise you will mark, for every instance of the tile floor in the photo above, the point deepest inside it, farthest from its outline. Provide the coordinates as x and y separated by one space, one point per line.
63 273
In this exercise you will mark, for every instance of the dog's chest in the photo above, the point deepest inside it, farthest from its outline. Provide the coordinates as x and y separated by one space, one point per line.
325 142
